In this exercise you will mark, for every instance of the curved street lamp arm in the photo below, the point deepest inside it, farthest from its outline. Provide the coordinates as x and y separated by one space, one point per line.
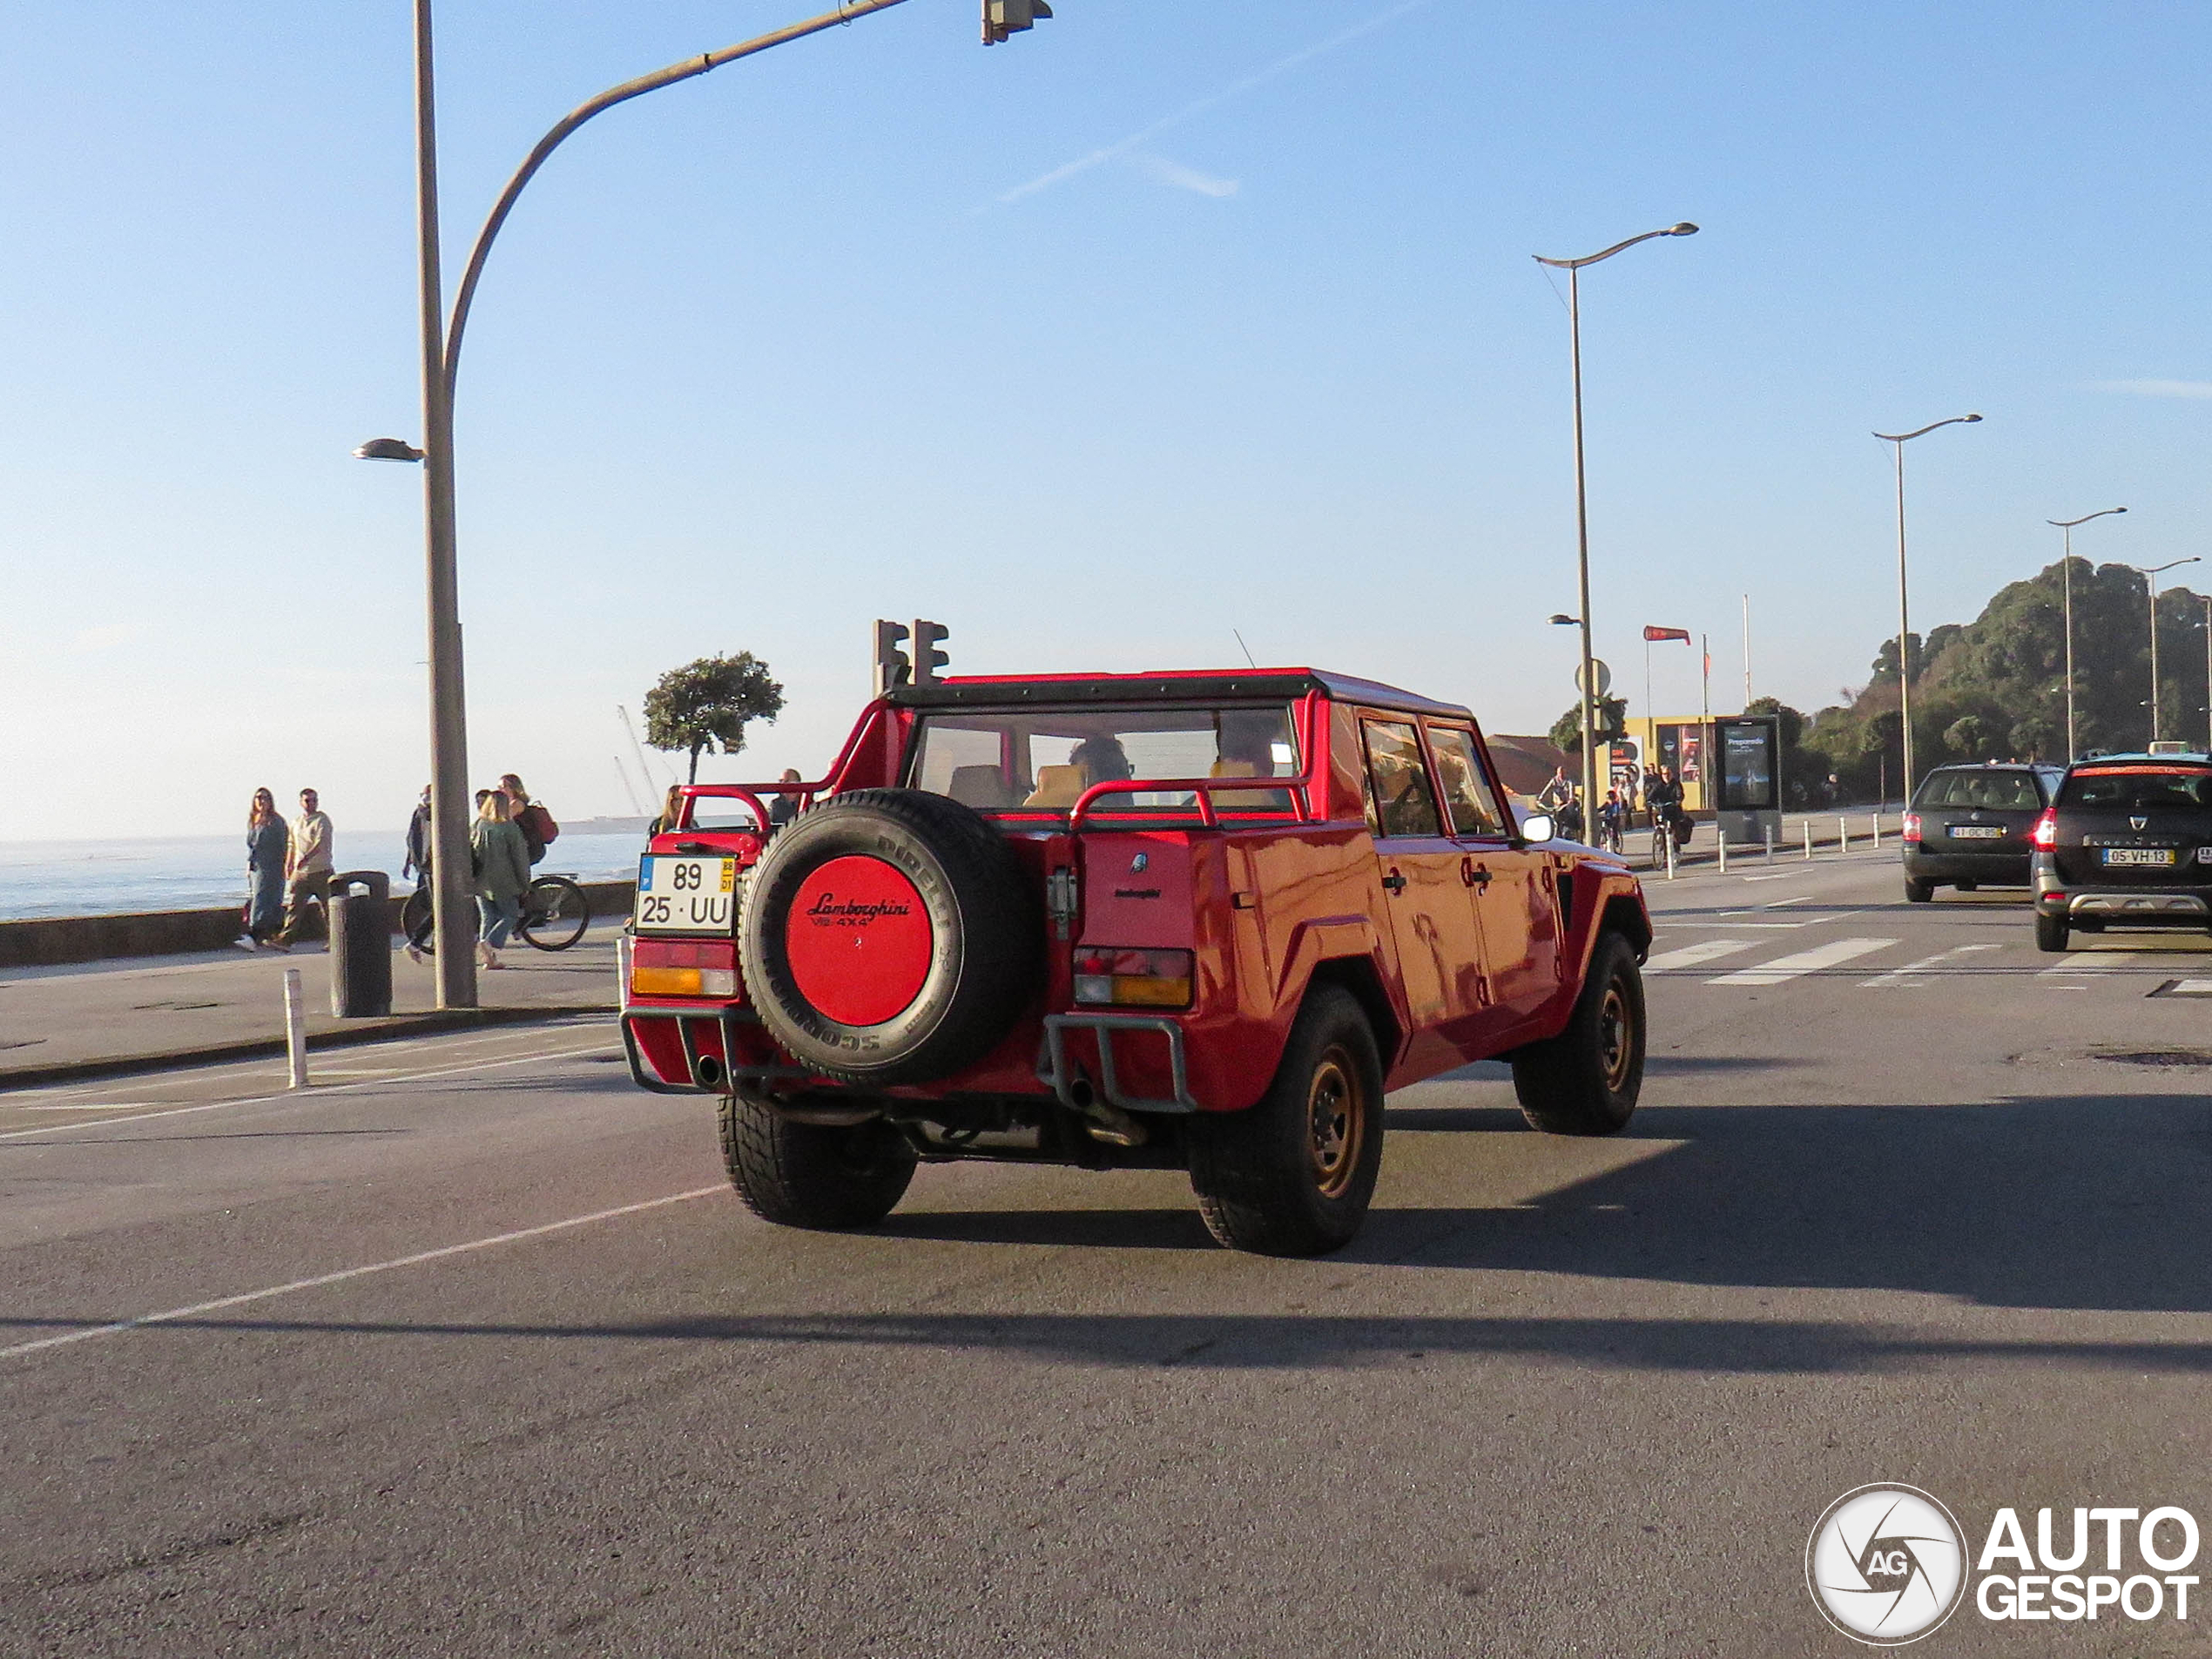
684 71
1900 437
2070 524
1684 229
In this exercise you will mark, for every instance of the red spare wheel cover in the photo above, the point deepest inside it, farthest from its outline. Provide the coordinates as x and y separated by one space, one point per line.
859 940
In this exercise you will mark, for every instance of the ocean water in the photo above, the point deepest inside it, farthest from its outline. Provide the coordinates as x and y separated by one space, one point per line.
199 872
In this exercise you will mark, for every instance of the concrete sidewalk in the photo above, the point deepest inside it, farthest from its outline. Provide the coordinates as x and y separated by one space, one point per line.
112 1018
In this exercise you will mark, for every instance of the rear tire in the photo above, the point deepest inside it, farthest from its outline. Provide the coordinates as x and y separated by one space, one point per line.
803 1174
554 913
1585 1081
2050 932
1293 1175
1918 892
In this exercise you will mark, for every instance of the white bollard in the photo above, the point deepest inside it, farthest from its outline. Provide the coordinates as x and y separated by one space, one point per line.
1671 858
1843 835
1878 831
1808 841
1723 841
295 1028
623 945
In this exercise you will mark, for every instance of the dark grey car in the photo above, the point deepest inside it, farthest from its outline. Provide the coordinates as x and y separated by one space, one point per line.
1968 826
2128 845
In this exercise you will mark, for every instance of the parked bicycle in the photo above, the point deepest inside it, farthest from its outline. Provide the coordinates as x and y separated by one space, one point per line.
555 914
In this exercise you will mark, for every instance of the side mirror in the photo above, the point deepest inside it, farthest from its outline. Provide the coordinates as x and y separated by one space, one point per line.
1538 827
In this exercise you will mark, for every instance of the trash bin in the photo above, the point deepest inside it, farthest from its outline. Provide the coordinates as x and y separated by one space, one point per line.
361 944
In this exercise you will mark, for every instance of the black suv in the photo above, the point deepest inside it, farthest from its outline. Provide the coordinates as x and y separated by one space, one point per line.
1970 825
2128 845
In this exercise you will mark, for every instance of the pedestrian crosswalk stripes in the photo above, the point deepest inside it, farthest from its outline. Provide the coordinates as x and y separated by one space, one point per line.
1834 953
1704 950
1926 967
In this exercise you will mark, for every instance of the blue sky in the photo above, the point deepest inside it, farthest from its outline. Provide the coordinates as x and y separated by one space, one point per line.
791 347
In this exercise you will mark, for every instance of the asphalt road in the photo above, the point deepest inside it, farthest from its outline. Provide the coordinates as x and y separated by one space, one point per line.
468 1351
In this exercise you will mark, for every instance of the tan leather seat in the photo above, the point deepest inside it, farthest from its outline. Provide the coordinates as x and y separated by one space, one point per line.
1234 769
1060 787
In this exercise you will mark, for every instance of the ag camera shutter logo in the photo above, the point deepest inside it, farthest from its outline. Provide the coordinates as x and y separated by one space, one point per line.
1886 1564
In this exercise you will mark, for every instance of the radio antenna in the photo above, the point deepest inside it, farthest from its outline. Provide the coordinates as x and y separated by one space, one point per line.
1247 650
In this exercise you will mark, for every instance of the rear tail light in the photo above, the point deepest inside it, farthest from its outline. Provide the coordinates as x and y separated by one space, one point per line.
1913 826
683 982
1106 977
2044 836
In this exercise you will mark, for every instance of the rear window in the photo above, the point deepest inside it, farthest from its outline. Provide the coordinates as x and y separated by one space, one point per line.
1043 759
1995 790
2138 788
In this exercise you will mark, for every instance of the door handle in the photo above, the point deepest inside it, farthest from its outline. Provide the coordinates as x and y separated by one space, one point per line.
1472 874
1394 881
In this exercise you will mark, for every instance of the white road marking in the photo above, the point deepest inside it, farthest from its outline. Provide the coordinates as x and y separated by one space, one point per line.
1805 962
1691 955
596 1047
2089 961
1784 876
1919 972
1800 898
2190 988
95 1106
344 1273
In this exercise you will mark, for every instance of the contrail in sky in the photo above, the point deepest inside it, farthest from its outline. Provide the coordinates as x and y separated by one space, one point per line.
1234 89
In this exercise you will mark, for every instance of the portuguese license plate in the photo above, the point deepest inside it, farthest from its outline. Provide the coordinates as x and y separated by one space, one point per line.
1978 831
686 895
2157 858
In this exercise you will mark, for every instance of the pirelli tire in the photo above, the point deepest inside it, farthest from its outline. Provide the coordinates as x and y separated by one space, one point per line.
890 936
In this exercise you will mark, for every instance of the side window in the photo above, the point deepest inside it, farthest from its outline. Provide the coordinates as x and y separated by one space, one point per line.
1403 803
1466 791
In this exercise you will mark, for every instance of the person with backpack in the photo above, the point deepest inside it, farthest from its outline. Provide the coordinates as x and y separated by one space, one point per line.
539 830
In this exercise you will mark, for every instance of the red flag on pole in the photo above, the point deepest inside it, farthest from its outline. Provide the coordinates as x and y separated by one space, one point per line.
1681 634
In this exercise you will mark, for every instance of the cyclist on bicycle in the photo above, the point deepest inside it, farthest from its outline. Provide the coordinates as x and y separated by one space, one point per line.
1662 797
1612 817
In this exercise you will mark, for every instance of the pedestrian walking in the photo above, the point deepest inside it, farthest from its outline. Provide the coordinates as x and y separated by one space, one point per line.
531 816
671 811
418 843
502 860
267 839
307 869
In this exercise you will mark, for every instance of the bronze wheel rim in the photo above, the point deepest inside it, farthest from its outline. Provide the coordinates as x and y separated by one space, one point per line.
1336 1119
1616 1045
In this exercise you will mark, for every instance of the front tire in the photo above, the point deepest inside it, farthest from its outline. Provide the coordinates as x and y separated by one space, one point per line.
2051 932
805 1174
1293 1175
1585 1081
1918 892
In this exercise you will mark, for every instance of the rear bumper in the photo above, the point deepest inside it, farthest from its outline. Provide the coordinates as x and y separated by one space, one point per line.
2126 907
2004 869
706 1038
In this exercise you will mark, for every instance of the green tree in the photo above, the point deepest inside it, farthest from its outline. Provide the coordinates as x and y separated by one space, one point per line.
708 703
1612 717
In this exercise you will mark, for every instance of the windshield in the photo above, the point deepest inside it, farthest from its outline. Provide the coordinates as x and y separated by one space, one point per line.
1043 759
2138 788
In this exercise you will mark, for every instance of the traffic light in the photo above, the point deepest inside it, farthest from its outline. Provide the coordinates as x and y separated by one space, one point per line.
892 669
927 658
1004 18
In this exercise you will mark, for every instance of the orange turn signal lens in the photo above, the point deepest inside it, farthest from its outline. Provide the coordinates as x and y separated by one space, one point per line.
683 982
1147 979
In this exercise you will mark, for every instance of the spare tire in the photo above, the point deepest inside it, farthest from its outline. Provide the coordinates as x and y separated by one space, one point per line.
890 936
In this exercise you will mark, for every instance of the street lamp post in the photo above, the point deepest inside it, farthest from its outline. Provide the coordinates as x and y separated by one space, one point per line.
1904 626
2207 674
2066 529
451 898
2149 574
1573 267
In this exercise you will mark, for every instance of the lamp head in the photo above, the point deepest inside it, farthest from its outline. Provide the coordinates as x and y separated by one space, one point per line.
1688 229
1968 420
1565 621
388 449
